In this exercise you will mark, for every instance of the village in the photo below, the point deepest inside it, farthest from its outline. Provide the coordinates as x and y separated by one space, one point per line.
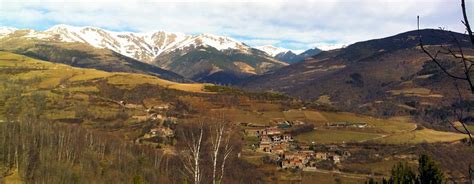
161 128
277 141
283 150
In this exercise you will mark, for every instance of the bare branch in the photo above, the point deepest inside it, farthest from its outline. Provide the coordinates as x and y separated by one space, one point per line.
466 22
435 60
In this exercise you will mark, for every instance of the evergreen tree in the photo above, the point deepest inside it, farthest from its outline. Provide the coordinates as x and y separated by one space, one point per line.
429 171
402 174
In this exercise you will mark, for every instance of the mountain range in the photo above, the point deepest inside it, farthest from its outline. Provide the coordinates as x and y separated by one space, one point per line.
201 58
287 55
379 76
382 76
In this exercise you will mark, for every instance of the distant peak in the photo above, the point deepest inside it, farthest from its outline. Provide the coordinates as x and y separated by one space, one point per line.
272 50
62 26
7 30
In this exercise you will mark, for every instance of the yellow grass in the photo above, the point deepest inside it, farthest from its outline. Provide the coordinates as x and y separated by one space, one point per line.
330 178
315 116
51 74
294 115
325 136
419 92
131 80
84 89
388 126
14 178
380 167
237 115
422 136
89 74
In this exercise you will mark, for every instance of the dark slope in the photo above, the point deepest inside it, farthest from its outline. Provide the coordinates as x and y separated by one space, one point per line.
85 56
380 76
207 64
290 57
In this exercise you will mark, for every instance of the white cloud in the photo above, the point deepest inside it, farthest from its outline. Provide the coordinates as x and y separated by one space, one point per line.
291 24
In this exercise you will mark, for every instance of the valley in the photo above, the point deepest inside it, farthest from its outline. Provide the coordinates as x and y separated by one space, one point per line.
142 114
232 92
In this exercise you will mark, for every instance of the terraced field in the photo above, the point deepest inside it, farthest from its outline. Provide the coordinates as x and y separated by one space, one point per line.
328 136
397 130
422 136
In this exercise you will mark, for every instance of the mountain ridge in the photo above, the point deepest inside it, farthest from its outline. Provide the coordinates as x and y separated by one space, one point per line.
187 55
287 55
141 46
381 74
146 46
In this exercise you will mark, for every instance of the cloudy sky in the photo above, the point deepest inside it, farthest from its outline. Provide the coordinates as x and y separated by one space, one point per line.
292 24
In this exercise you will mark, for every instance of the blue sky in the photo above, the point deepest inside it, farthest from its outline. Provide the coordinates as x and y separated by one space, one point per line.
292 24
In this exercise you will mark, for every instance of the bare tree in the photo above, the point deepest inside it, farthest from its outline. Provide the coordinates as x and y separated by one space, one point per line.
217 139
193 157
216 145
227 151
458 54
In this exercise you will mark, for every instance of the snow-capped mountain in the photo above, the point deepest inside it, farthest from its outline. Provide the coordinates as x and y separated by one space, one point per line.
287 55
204 57
272 50
141 46
6 31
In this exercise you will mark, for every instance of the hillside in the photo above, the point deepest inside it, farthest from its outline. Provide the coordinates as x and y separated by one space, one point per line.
207 64
385 76
82 55
131 127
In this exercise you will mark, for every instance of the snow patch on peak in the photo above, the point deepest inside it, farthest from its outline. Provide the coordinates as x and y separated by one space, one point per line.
6 31
144 46
272 50
218 42
62 27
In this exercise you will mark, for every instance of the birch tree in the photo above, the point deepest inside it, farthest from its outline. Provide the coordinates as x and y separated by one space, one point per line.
193 158
227 151
220 149
216 139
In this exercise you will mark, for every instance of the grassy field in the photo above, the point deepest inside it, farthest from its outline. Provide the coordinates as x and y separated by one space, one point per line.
385 126
420 92
325 136
329 178
52 75
128 81
397 130
238 115
470 128
422 136
383 167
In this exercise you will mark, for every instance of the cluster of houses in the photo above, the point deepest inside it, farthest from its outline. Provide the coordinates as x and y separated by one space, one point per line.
286 152
307 159
163 126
